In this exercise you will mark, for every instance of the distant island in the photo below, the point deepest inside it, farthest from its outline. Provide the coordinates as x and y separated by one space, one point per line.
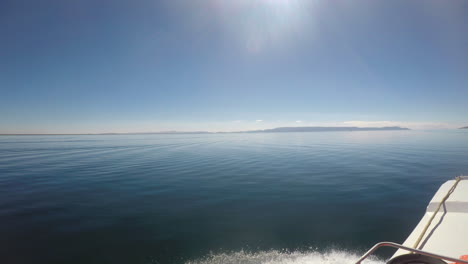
272 130
284 129
325 129
464 127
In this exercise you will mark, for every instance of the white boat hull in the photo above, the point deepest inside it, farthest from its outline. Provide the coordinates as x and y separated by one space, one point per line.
448 232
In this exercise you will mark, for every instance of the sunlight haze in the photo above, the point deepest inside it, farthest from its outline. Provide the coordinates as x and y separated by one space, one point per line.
218 65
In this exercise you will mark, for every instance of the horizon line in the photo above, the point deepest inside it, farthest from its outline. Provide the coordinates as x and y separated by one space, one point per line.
166 132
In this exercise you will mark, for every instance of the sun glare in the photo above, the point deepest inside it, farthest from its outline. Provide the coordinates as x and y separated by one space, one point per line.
258 24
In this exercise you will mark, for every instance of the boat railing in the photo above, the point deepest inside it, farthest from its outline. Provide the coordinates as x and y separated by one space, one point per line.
395 245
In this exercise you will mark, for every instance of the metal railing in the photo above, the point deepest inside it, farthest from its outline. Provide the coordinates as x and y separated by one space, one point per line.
395 245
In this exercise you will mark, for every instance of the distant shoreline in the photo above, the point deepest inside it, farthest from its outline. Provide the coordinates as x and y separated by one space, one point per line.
273 130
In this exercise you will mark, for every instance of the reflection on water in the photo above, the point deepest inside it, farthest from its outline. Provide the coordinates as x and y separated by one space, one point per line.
180 198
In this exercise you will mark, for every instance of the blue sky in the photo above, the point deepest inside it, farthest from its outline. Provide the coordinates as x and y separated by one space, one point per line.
218 65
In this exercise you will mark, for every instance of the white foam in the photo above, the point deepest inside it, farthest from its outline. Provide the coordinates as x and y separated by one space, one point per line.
279 257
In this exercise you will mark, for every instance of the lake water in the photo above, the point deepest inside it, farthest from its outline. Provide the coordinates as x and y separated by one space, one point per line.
321 197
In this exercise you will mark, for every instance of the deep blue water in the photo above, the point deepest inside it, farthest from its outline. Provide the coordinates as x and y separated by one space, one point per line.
179 198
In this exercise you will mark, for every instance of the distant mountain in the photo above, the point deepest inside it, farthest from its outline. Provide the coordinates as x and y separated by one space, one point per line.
325 129
464 127
273 130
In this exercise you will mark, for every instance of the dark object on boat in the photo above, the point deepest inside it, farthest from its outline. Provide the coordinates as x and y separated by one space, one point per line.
415 259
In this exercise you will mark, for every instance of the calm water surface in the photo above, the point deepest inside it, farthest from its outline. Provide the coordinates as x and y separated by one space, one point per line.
217 198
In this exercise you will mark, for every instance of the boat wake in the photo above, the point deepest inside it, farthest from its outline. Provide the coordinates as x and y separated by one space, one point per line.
279 257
